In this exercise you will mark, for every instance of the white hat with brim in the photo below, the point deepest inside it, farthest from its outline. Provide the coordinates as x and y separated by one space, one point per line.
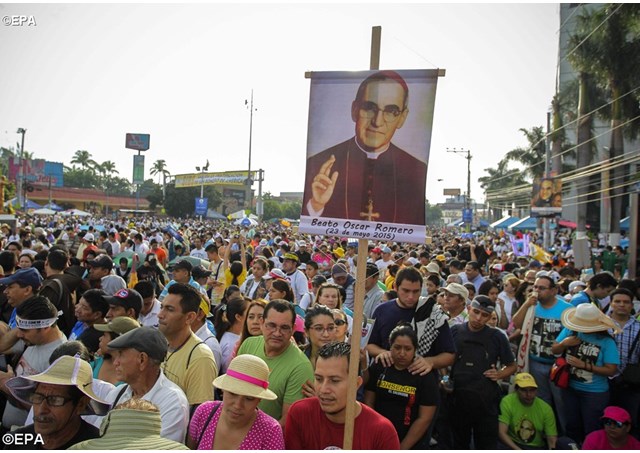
587 318
247 375
67 370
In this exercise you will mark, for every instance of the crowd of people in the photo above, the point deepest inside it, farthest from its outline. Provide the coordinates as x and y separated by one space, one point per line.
210 335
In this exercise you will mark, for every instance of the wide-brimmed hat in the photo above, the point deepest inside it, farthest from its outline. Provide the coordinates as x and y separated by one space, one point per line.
130 429
587 318
247 375
433 268
66 370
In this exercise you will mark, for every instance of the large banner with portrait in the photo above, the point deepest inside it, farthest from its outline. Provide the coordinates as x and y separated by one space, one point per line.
368 144
546 199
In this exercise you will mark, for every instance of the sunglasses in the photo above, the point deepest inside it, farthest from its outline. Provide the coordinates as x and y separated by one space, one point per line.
611 422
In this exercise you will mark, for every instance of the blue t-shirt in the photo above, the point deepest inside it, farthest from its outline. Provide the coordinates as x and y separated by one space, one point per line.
546 327
580 298
389 314
77 330
596 349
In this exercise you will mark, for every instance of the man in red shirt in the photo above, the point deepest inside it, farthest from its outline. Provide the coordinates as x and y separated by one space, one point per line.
615 435
318 423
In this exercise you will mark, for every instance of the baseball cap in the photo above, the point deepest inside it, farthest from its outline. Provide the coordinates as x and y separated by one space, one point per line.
617 413
89 237
457 289
200 272
276 273
498 267
290 256
338 270
441 258
577 284
376 250
386 250
29 277
102 261
119 325
302 267
524 380
127 298
144 339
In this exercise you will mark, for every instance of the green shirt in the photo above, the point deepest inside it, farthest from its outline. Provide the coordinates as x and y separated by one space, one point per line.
527 424
288 372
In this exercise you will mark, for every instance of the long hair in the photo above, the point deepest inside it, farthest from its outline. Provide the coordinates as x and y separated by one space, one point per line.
226 316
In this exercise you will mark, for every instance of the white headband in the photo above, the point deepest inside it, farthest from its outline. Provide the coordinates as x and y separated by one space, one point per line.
29 324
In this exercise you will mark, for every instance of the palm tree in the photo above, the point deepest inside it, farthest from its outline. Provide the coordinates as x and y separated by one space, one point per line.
83 158
533 156
160 168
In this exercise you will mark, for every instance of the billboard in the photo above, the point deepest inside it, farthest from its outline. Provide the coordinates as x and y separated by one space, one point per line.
138 142
546 199
138 169
225 178
369 135
37 171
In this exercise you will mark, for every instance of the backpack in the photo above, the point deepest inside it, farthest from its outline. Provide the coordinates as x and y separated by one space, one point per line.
467 372
64 301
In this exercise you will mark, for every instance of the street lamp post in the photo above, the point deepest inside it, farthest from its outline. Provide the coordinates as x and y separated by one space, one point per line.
22 131
249 180
467 198
202 169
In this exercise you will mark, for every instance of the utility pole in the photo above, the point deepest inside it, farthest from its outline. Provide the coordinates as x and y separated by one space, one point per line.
546 231
20 195
249 180
467 198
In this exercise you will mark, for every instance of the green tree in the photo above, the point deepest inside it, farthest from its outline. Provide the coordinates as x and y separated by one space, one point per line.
433 214
160 168
533 156
272 209
84 159
181 202
610 53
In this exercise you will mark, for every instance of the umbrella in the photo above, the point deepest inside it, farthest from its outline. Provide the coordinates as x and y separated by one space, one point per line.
128 254
246 222
44 211
192 259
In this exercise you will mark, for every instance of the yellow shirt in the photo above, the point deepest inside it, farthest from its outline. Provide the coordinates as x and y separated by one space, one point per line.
193 368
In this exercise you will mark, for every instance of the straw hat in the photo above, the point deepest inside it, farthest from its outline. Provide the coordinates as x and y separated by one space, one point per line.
66 370
129 429
247 375
587 318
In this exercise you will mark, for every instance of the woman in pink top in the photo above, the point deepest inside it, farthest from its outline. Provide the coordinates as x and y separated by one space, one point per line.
236 423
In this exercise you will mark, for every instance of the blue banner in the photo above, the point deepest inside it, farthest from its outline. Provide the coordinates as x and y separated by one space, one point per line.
467 215
201 206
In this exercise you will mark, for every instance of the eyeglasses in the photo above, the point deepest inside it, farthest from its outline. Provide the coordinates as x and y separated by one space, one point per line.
272 327
320 329
612 422
340 322
370 110
52 400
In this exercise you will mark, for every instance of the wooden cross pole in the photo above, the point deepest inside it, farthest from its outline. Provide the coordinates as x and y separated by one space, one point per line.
358 305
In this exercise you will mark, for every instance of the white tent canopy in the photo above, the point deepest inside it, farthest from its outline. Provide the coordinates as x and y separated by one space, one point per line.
76 212
44 211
